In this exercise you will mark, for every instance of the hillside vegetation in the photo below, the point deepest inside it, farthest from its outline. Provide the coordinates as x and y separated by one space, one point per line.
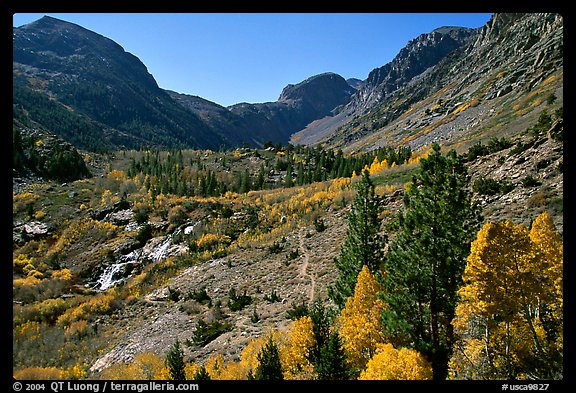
221 251
414 232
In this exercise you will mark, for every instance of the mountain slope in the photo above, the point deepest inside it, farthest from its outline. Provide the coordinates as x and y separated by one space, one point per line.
417 56
500 76
93 78
86 89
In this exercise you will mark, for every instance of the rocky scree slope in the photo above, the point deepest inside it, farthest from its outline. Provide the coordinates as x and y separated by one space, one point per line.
498 76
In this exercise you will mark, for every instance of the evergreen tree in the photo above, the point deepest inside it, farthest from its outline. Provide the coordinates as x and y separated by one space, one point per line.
288 178
363 244
260 181
425 262
175 363
269 364
332 362
201 375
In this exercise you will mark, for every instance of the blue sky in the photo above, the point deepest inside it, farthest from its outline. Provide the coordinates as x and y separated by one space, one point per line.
230 58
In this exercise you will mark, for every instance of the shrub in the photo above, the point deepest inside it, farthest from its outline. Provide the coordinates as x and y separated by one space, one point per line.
141 214
298 311
487 186
200 296
144 234
177 215
237 303
37 373
254 318
319 225
529 181
275 248
272 298
476 151
206 332
495 144
174 294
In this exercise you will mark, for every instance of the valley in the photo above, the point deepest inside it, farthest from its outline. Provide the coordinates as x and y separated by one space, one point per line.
179 221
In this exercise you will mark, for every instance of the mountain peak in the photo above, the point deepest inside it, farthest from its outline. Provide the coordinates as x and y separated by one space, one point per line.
327 85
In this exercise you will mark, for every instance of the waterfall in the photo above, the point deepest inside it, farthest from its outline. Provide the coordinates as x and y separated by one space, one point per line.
114 273
109 277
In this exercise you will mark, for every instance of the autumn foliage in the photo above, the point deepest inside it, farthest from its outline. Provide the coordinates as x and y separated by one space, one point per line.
509 317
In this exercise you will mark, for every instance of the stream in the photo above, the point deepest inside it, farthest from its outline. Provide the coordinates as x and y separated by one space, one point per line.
121 269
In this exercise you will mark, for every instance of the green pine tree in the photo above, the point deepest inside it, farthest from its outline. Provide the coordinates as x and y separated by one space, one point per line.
363 244
269 365
175 362
332 362
425 262
201 375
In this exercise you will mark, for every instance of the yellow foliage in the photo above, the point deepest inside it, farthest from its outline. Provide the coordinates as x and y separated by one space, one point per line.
29 330
545 237
20 262
215 365
82 228
145 366
190 369
77 329
390 363
75 372
28 281
100 304
360 326
62 274
512 279
377 166
209 241
117 175
37 373
296 350
20 201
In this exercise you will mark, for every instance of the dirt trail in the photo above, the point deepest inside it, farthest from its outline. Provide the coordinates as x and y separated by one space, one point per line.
304 268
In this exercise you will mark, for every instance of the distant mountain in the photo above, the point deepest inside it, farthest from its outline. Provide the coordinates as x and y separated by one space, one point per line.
296 107
417 56
454 86
85 88
275 122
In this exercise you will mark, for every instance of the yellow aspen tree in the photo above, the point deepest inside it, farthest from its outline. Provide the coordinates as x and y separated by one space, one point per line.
297 348
360 326
389 363
544 235
375 166
215 365
191 369
248 358
144 366
505 303
550 304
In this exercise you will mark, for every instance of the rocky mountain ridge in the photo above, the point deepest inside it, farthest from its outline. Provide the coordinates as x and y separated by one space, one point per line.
108 99
499 98
513 59
419 54
92 77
